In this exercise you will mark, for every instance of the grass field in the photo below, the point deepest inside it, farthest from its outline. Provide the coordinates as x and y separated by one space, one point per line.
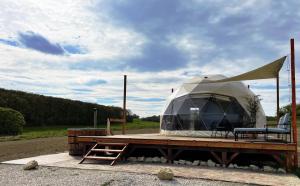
58 131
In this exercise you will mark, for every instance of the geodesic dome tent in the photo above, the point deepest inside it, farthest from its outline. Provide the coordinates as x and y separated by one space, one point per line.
201 105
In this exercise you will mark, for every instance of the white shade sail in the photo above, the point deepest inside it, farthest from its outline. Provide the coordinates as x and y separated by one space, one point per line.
268 71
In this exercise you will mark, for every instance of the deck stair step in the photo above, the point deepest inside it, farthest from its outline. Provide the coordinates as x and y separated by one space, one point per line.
100 158
96 153
111 144
106 150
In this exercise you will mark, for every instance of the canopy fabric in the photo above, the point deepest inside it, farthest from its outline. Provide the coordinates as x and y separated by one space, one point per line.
268 71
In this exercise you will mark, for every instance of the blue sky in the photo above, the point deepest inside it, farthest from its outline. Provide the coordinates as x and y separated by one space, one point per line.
81 49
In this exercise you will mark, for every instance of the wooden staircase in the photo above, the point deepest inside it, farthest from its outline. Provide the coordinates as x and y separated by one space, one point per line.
105 152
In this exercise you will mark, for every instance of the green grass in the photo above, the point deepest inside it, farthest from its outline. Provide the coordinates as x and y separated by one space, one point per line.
59 131
136 124
37 132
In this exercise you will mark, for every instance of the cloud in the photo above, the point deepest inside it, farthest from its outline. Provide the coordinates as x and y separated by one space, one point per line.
9 42
95 82
158 44
38 42
141 99
81 90
198 33
74 49
157 57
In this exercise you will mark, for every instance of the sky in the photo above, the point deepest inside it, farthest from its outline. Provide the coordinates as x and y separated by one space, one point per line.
80 50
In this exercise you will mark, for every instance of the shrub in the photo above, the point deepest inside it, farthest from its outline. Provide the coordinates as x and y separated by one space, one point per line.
11 122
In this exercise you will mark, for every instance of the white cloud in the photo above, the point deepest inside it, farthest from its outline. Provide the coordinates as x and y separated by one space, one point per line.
69 22
73 22
193 45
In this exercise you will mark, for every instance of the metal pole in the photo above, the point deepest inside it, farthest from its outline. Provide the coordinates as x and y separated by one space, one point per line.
95 117
294 124
277 90
124 105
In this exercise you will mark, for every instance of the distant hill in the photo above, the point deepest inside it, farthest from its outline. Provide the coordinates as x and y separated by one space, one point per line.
40 110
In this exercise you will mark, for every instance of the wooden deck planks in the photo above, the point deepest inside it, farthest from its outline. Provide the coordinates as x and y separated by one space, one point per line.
156 139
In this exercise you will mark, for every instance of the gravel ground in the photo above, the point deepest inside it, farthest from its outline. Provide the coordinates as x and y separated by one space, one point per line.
15 175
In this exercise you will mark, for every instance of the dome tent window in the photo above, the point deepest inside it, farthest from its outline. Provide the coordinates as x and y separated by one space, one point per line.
198 107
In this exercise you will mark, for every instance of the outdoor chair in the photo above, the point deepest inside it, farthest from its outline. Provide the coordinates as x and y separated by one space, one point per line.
283 128
220 127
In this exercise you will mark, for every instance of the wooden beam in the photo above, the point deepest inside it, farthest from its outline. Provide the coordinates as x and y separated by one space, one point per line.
278 159
294 119
234 155
177 153
277 91
163 153
216 157
124 105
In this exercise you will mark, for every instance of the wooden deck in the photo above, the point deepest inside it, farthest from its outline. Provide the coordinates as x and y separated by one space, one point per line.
157 139
222 150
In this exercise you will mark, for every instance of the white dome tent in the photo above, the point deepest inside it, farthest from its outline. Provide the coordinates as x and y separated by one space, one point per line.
198 107
211 102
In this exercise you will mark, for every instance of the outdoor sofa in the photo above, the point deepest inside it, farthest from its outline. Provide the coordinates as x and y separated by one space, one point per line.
283 128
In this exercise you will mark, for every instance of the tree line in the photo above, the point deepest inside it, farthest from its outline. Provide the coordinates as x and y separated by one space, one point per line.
39 110
288 109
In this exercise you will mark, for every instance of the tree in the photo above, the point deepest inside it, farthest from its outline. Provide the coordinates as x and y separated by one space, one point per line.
288 109
253 107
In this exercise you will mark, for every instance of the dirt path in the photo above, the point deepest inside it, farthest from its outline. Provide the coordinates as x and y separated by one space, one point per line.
10 150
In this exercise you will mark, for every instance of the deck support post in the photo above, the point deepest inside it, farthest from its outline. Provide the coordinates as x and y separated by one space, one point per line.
224 161
170 155
289 161
224 158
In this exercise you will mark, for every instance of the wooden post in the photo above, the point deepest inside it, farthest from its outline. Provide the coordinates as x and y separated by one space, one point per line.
277 90
108 130
170 155
95 117
124 105
224 159
294 124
